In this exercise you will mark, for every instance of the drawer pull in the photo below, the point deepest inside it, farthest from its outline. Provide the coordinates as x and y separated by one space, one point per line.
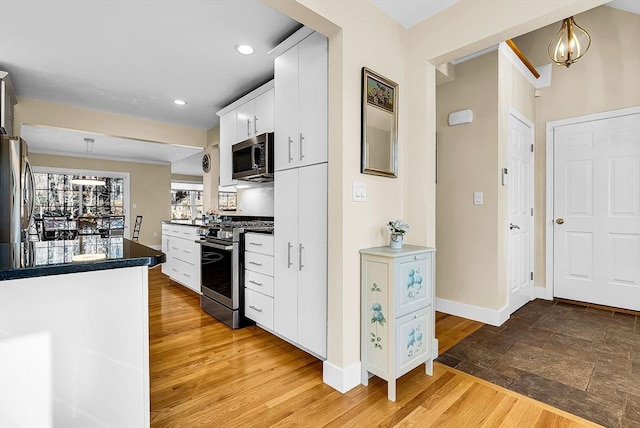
186 251
415 316
175 248
255 309
186 274
256 283
258 244
255 263
175 270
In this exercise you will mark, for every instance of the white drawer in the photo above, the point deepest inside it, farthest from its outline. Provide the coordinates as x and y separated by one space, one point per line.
186 274
185 250
258 282
259 308
186 232
258 263
259 243
413 339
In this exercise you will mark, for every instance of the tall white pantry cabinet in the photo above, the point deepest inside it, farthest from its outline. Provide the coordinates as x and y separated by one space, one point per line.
398 319
300 195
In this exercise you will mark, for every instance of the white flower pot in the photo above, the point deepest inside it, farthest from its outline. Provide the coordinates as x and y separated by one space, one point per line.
395 240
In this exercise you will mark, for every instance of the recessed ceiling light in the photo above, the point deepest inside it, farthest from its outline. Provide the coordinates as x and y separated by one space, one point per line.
180 102
244 49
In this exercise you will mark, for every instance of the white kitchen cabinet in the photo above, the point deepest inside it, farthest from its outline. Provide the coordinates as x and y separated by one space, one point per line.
300 257
228 137
301 104
166 249
183 255
258 278
397 327
255 117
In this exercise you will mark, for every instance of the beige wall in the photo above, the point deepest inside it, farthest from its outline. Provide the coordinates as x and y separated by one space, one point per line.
150 189
466 234
606 78
210 179
191 178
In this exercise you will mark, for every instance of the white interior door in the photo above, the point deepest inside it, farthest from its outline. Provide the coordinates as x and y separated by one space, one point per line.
596 208
520 202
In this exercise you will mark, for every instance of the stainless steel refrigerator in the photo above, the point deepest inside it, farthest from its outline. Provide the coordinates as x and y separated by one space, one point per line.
17 195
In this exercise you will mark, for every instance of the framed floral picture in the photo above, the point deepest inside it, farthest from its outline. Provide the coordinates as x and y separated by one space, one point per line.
379 144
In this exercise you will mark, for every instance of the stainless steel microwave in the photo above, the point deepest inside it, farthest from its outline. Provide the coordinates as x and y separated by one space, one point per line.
253 159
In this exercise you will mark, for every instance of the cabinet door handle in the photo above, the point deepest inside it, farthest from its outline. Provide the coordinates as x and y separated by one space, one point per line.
185 251
289 246
175 270
186 274
258 244
300 265
248 127
290 143
175 248
255 282
255 125
254 263
255 309
301 141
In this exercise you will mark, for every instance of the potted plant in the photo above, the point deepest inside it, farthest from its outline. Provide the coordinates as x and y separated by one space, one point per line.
397 229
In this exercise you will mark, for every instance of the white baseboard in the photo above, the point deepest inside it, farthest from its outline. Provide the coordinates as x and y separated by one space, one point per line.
341 379
476 313
542 293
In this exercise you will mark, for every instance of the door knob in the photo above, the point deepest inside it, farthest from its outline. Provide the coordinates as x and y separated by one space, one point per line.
559 220
513 226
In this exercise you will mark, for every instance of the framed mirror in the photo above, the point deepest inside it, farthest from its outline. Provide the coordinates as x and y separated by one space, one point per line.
379 146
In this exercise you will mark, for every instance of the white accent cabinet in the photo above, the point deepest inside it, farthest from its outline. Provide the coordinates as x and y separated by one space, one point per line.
183 254
300 257
301 104
398 319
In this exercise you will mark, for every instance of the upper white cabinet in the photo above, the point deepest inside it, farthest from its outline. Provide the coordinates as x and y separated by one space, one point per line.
228 137
300 257
301 104
255 117
246 117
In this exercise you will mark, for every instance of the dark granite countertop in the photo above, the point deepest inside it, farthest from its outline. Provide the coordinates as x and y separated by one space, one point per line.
85 254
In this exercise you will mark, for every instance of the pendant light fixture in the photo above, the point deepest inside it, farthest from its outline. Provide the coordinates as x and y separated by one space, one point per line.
87 181
569 44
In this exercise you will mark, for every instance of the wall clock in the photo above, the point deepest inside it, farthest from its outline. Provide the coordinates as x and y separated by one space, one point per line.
206 163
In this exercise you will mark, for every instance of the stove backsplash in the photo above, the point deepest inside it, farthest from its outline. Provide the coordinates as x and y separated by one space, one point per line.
255 201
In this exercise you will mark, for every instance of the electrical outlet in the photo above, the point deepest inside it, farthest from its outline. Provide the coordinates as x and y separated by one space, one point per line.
134 206
155 234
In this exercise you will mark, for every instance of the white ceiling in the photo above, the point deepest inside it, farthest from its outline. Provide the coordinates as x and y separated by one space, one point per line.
134 57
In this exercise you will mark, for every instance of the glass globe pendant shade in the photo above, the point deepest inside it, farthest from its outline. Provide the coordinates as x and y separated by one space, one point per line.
569 44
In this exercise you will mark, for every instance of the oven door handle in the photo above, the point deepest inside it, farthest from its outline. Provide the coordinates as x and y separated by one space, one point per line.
216 246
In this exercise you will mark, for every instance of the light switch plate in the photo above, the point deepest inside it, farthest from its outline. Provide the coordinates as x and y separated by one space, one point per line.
478 198
359 191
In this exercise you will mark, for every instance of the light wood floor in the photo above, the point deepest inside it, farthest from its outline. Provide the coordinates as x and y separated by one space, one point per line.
205 375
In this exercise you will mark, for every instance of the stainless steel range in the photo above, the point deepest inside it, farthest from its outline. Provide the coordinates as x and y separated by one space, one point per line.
222 268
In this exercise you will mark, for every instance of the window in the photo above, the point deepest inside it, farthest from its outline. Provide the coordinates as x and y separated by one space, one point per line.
64 210
56 196
227 201
186 201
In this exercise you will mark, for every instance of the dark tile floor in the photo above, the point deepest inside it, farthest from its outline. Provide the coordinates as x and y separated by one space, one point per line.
582 360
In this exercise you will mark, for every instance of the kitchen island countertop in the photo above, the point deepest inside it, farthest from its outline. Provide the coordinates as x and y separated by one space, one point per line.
43 258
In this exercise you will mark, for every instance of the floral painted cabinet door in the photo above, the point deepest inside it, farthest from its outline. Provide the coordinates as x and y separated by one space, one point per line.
397 330
414 285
